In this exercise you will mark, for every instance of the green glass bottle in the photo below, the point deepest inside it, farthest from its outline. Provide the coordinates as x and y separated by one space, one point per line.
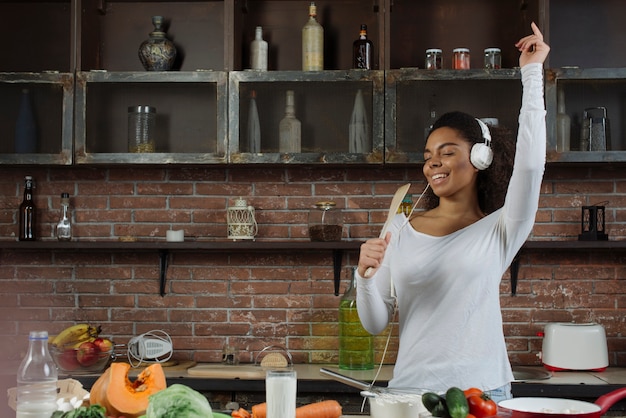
356 345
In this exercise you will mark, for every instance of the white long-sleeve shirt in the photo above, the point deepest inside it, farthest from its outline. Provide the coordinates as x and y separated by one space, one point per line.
448 287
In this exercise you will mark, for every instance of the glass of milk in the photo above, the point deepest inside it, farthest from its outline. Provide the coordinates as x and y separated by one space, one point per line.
280 393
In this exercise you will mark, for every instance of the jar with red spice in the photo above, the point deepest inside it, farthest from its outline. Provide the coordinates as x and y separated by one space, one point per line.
461 60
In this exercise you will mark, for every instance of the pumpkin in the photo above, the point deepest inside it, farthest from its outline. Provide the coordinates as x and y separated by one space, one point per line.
122 397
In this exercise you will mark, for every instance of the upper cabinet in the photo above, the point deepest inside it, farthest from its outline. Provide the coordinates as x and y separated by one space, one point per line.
78 61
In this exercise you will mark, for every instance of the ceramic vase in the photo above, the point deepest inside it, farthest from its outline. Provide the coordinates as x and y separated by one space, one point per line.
157 53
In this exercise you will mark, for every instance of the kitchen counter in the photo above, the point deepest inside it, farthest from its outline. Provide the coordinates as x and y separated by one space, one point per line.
250 380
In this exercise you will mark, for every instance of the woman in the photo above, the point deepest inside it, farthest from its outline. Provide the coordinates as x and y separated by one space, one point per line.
445 263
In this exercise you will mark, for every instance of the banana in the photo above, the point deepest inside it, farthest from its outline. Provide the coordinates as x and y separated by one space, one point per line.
76 334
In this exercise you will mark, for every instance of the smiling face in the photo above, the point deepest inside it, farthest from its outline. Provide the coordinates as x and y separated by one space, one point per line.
447 165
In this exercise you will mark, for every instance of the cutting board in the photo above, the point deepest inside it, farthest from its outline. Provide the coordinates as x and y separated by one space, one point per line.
220 371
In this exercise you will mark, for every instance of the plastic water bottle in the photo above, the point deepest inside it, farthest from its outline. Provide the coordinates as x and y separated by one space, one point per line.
37 379
356 345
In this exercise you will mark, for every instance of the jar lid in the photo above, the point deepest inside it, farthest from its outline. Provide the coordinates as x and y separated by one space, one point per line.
492 50
325 204
141 109
461 50
430 50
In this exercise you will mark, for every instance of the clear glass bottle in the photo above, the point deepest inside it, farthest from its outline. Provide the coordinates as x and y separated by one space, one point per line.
312 42
461 59
258 51
362 50
356 345
290 127
28 212
37 379
254 126
325 222
64 227
563 124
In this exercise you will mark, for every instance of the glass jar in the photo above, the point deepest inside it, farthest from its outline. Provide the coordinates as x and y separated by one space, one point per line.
493 58
141 128
325 222
434 59
461 58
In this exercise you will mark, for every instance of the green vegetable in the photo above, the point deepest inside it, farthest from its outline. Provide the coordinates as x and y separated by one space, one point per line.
457 403
178 401
93 411
435 404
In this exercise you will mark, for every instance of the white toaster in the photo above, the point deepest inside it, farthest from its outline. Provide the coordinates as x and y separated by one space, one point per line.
570 346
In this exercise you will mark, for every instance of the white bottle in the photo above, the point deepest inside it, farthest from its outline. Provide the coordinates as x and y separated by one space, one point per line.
290 127
358 129
254 127
563 124
312 43
37 380
258 51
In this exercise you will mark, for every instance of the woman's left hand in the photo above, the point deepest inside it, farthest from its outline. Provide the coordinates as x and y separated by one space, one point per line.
532 47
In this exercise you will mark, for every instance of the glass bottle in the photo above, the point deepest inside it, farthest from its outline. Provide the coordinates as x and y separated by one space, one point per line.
28 212
254 126
258 51
362 50
290 127
25 126
356 345
64 227
312 43
359 128
37 379
563 124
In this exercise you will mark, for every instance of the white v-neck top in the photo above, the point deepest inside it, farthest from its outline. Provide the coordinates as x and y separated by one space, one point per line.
448 287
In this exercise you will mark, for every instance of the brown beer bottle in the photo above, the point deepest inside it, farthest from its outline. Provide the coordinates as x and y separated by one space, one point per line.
28 212
362 50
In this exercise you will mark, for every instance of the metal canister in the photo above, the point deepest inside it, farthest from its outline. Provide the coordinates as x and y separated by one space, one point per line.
461 58
493 58
596 131
434 59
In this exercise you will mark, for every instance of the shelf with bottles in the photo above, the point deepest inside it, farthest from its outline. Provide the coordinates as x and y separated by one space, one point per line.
111 32
282 23
190 108
415 98
341 116
37 36
577 99
417 25
36 118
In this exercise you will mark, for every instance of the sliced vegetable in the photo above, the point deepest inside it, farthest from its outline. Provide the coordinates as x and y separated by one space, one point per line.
241 413
457 403
122 397
482 406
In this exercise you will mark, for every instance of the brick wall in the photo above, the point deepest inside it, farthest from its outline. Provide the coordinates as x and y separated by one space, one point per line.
256 299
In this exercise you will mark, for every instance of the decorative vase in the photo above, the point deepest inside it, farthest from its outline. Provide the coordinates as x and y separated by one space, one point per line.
157 53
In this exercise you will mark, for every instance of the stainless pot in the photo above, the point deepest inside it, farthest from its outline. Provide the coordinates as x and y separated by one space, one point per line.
559 408
385 402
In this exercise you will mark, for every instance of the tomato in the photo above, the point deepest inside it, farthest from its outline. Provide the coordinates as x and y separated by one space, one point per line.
482 406
472 391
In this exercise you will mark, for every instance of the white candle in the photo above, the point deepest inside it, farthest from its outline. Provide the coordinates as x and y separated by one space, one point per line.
175 236
280 393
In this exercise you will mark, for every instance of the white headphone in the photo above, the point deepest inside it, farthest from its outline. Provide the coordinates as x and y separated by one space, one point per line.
481 154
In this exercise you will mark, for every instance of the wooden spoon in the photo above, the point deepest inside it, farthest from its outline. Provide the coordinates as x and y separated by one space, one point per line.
393 210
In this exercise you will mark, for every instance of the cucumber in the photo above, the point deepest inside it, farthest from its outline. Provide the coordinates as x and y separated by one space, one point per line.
435 404
457 403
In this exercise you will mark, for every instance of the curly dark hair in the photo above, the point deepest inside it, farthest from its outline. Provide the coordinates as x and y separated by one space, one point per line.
492 182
